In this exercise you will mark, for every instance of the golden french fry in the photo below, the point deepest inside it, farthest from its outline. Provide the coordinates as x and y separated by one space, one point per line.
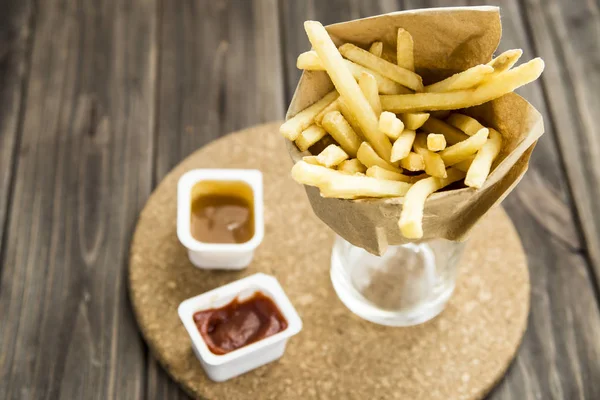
436 142
357 186
310 61
381 173
390 125
481 165
452 135
463 80
404 50
334 106
311 160
345 110
413 162
402 145
384 85
310 136
434 165
411 217
347 87
401 75
368 85
462 150
293 127
369 158
332 156
376 49
491 89
468 125
505 61
342 132
465 164
413 121
342 185
352 166
312 174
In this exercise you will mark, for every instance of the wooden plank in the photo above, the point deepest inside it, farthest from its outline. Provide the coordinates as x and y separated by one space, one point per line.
558 357
83 174
16 25
565 34
220 71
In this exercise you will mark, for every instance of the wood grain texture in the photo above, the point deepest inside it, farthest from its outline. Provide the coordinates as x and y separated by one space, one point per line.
84 170
558 357
566 35
16 25
220 71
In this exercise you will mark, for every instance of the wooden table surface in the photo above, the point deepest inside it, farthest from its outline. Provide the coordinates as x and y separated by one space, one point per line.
100 99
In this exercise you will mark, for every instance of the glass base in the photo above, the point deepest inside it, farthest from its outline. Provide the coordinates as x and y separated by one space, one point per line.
408 285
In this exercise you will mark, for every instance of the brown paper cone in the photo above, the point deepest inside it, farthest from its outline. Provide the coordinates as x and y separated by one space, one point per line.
446 41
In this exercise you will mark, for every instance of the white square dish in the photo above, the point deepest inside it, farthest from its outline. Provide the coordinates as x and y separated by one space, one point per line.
226 366
219 255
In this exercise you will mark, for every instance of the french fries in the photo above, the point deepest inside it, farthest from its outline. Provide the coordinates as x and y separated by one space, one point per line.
293 127
333 106
481 165
345 110
405 50
436 142
310 136
452 135
434 165
376 49
390 125
397 74
347 87
413 162
338 184
505 61
491 89
368 85
368 157
467 124
373 128
310 61
413 121
381 173
411 217
311 160
402 145
331 156
342 132
352 166
465 164
461 151
463 80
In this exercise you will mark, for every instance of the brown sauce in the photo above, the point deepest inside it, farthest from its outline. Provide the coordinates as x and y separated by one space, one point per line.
239 323
222 212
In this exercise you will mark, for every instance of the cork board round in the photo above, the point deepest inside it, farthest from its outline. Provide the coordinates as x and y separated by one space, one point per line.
461 354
